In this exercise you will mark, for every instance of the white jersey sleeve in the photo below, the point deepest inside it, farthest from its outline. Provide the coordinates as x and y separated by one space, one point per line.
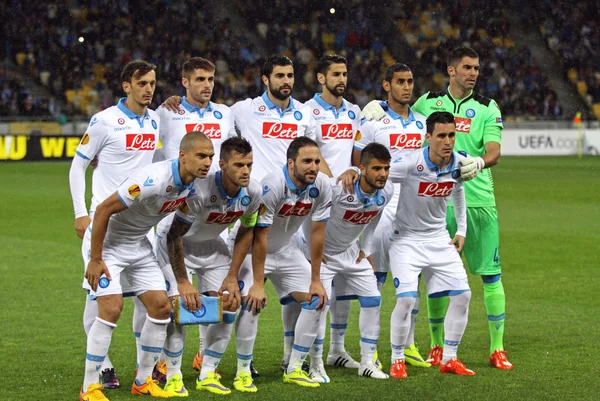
189 212
93 140
133 188
460 208
364 135
311 130
400 167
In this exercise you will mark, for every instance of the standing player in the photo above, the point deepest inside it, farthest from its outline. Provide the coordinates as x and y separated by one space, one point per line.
291 194
120 248
192 239
401 130
353 215
336 124
125 137
479 132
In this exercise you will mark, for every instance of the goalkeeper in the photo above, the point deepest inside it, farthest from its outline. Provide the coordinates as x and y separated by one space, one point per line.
478 132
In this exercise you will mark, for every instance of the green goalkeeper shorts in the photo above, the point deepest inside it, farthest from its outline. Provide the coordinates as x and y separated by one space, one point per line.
483 240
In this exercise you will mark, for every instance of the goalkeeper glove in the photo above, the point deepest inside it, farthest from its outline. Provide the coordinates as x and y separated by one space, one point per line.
470 167
373 111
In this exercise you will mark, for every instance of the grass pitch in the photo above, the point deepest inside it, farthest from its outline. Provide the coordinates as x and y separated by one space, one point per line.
550 231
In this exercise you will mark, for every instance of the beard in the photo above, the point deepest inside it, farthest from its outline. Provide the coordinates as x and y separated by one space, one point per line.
374 183
335 91
276 92
302 178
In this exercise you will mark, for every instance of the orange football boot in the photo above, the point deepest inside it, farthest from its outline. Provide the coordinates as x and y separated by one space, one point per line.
498 360
398 370
457 367
435 355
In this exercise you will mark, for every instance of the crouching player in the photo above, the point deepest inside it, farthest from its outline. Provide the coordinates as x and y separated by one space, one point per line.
345 257
120 247
192 239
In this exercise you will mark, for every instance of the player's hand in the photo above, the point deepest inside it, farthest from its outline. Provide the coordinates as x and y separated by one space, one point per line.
230 291
470 167
361 256
95 269
317 290
172 103
348 178
372 111
257 299
458 241
189 293
81 224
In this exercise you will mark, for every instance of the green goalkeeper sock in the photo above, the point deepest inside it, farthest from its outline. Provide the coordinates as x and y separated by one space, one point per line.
495 306
436 309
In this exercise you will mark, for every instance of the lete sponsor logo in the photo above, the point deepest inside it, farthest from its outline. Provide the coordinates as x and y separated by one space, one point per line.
140 141
213 131
224 218
280 130
354 217
171 206
405 141
463 124
435 189
336 131
299 209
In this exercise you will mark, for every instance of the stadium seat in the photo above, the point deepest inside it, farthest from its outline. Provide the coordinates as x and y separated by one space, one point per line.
596 109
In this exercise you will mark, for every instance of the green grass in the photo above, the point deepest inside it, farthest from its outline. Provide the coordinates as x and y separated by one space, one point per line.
550 231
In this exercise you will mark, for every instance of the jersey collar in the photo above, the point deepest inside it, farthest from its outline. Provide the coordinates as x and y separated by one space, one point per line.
198 110
291 185
328 106
140 119
451 167
219 182
366 199
396 116
271 105
177 178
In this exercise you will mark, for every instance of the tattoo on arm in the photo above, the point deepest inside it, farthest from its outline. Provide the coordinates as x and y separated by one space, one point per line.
175 247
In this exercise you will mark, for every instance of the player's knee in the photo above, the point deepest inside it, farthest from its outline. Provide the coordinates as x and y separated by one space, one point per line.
110 311
406 303
461 301
160 308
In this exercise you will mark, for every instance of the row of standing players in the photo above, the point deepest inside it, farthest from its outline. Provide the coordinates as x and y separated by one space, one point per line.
124 137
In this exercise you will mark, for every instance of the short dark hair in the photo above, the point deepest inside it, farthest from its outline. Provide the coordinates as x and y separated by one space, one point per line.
272 61
441 117
457 54
328 59
297 144
189 140
135 69
394 68
234 144
196 63
372 151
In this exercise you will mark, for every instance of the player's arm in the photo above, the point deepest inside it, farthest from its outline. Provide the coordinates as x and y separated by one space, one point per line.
317 244
257 297
96 267
399 169
367 235
460 213
492 137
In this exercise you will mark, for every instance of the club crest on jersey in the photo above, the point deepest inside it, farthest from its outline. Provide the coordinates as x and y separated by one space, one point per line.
171 206
140 142
154 124
336 131
121 121
168 285
241 285
351 115
223 218
134 191
298 115
316 112
360 218
419 125
435 189
470 113
245 200
463 124
299 209
213 198
213 131
456 173
103 282
380 200
313 192
280 130
396 281
405 141
86 139
420 167
218 114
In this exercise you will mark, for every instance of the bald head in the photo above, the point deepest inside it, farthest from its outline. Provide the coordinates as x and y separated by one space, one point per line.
192 140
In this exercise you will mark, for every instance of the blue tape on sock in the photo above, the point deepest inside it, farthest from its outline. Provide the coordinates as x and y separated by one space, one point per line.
369 302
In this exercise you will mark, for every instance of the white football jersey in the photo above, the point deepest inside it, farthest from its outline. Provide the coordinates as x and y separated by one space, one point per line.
123 141
150 194
210 211
270 130
285 207
423 203
335 131
353 215
216 121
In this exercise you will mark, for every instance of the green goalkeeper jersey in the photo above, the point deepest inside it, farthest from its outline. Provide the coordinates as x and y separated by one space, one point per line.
478 121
